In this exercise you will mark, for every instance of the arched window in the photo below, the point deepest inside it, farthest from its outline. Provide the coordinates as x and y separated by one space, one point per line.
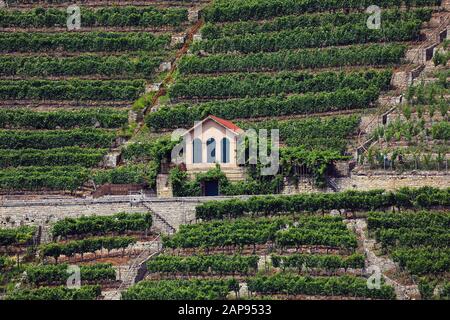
225 150
197 151
211 150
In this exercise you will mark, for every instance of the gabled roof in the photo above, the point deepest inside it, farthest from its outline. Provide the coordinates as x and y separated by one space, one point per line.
227 124
222 122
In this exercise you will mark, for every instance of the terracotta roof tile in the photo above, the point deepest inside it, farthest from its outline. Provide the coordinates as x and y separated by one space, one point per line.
227 124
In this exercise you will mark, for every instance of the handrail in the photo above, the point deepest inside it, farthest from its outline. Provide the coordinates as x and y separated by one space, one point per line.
167 224
419 51
137 263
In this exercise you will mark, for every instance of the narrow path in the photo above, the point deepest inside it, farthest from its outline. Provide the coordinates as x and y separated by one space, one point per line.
133 271
384 264
169 78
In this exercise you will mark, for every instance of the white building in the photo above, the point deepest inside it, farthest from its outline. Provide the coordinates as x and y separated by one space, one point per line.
213 140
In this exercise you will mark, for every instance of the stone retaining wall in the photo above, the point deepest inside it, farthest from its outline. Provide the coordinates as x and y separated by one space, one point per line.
178 211
175 211
393 181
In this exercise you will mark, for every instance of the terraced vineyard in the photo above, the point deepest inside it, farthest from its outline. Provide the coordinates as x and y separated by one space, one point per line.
263 63
418 242
85 109
66 93
297 250
87 241
417 133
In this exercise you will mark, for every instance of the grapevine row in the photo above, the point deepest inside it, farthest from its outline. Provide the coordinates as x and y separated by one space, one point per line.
17 236
43 178
57 274
29 119
181 290
256 85
414 237
119 223
311 38
110 90
184 115
317 286
87 138
55 293
350 200
423 261
314 231
368 55
422 219
218 264
123 66
82 42
236 10
103 17
71 178
326 262
312 133
71 248
53 157
215 31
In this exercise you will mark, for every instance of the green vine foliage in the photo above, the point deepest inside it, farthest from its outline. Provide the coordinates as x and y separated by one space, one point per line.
285 283
215 31
255 183
121 67
87 138
300 262
425 197
128 174
418 241
52 157
70 178
314 37
74 89
158 150
368 55
129 16
55 293
284 232
238 10
184 115
73 247
82 42
256 84
51 120
119 223
57 274
181 290
201 264
17 236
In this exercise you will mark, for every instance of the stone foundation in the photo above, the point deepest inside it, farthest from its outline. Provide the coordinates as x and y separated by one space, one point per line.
392 181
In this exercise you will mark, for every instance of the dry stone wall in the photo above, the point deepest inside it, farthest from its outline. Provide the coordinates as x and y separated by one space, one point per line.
370 181
178 211
175 211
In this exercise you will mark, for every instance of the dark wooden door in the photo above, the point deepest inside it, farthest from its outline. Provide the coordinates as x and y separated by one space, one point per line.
211 188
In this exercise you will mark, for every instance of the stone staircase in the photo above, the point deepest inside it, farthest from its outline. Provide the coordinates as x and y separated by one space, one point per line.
416 56
233 174
45 234
134 271
174 212
159 222
383 264
332 184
